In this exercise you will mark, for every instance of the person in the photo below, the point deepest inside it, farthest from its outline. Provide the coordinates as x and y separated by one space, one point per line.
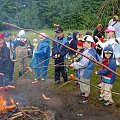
113 41
59 53
86 67
73 44
11 46
4 63
41 57
99 30
69 39
115 22
108 78
35 44
21 52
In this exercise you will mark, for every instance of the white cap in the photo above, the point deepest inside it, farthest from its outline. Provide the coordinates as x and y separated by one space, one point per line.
44 34
88 38
21 34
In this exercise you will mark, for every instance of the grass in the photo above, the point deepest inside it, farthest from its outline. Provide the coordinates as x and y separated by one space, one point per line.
94 78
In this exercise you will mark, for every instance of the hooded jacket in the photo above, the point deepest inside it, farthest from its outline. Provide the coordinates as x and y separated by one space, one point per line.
85 65
107 76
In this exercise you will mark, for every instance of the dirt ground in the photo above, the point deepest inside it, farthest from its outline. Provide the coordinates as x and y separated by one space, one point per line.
63 102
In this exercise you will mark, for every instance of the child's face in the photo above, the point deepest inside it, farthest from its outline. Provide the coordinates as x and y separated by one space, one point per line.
108 55
110 34
87 44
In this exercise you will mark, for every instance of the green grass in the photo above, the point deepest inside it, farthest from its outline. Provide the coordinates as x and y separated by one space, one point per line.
94 78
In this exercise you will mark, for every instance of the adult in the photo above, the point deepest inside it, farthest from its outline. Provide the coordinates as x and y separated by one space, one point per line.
59 52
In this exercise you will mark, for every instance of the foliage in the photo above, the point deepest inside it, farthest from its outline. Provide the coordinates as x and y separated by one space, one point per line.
77 14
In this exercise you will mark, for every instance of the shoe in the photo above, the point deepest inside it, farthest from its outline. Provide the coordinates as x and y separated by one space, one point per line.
42 79
10 86
82 94
107 103
84 100
99 85
100 99
20 74
57 82
35 81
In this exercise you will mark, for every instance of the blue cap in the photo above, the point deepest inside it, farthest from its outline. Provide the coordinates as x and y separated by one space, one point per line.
6 34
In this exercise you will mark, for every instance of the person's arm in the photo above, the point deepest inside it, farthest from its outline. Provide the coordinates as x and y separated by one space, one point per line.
81 64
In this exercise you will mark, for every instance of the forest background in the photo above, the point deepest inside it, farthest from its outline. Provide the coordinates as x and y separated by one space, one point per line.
71 14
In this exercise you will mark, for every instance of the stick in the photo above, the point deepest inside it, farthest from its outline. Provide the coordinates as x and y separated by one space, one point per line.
12 25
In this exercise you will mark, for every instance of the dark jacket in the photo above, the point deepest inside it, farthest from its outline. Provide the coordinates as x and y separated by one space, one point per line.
4 59
59 49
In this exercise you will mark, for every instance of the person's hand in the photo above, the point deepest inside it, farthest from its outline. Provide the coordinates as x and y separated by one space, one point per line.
96 37
55 56
96 72
58 55
71 65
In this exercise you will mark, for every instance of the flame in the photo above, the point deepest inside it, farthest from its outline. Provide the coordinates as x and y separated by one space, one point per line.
3 104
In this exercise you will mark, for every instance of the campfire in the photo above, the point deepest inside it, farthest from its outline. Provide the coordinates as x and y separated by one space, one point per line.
9 110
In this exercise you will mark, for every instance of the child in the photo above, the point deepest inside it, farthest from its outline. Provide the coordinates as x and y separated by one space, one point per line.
108 78
86 67
4 63
35 44
113 41
41 57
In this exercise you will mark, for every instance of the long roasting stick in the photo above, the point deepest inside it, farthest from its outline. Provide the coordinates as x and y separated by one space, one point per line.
14 26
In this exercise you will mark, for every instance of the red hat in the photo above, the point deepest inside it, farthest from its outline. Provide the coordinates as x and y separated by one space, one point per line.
80 43
1 36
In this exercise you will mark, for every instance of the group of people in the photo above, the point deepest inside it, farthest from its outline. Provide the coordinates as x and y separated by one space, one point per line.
94 46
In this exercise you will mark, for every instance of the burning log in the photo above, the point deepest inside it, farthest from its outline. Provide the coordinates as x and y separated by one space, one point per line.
3 105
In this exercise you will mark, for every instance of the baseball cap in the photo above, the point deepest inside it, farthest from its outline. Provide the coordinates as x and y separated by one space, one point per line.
59 30
110 29
88 38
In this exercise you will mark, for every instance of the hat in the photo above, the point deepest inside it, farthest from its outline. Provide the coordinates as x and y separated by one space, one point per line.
59 30
1 36
88 38
108 49
44 35
21 34
6 34
69 34
80 43
110 29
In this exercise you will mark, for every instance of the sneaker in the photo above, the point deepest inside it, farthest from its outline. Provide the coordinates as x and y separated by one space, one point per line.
107 103
99 85
84 100
42 79
100 98
57 82
35 81
20 74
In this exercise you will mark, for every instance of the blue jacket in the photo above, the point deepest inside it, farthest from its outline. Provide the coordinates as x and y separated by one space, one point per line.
59 49
107 76
41 55
85 65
